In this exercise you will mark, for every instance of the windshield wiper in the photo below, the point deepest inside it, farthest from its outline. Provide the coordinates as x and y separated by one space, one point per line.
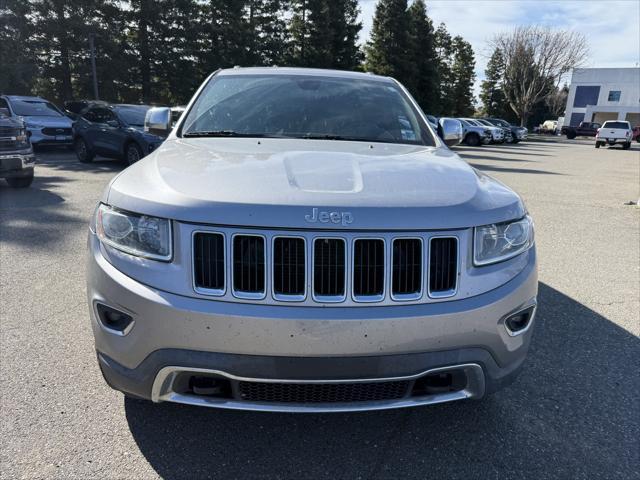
230 133
327 136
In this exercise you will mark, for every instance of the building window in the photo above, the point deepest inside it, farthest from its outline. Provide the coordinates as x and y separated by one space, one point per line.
614 96
586 96
576 118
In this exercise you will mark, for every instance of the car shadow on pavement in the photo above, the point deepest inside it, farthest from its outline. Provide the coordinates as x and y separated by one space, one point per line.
572 413
493 168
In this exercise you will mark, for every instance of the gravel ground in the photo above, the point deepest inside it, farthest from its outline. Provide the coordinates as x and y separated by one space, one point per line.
573 413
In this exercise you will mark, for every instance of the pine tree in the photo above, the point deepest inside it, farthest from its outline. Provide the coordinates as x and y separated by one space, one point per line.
463 70
491 94
425 84
17 56
267 33
444 55
388 51
324 34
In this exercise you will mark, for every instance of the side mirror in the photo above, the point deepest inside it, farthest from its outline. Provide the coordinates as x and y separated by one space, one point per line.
158 121
450 131
113 123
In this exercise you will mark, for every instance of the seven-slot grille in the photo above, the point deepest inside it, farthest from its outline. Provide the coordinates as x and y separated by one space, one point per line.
248 265
368 269
406 281
289 267
333 268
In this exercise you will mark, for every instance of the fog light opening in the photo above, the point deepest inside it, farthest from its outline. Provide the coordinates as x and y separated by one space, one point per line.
519 322
209 386
114 320
440 382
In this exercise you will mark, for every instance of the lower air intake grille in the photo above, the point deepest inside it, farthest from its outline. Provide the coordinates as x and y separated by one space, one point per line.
329 267
208 261
443 266
407 267
368 268
288 266
322 392
248 264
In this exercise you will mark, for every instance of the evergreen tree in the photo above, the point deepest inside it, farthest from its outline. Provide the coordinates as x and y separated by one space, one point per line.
425 84
444 55
463 70
388 51
17 57
267 32
491 94
324 34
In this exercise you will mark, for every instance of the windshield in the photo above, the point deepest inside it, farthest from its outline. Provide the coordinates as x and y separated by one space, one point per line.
485 123
303 106
132 115
502 123
35 108
472 122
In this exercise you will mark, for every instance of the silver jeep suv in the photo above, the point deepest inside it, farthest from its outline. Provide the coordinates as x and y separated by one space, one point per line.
304 241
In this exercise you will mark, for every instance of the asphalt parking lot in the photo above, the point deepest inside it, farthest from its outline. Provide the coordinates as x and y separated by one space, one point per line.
573 413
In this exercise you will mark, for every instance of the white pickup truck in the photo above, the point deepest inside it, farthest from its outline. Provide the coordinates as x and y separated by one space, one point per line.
613 132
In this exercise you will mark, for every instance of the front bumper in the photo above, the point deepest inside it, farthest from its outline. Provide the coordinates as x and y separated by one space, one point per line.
613 141
38 137
174 335
20 164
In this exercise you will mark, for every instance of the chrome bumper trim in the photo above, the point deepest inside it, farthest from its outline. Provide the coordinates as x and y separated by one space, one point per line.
162 391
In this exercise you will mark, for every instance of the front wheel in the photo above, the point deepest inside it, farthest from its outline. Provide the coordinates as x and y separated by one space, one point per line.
626 146
20 182
133 153
473 140
597 144
84 154
571 135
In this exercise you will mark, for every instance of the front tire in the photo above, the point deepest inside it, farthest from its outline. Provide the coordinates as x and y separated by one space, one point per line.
597 144
20 182
571 135
473 140
132 153
83 152
626 146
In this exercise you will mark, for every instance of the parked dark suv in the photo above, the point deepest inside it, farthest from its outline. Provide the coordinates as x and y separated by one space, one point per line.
115 131
16 155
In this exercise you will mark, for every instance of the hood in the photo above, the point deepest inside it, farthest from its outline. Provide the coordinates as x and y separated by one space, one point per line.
11 122
47 121
299 183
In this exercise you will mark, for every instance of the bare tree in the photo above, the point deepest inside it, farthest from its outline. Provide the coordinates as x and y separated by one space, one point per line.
536 58
557 99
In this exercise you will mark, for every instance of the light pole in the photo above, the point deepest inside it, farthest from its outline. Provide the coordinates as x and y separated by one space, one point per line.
93 65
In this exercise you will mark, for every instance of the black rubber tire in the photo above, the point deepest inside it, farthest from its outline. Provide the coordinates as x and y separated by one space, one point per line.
597 144
132 153
20 182
515 140
83 152
571 135
626 146
473 140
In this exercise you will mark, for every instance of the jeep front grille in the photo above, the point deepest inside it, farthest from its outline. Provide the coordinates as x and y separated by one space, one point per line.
443 276
317 268
406 282
208 261
329 259
248 266
368 269
288 268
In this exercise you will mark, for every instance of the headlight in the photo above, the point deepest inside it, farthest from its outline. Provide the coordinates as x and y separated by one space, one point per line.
139 235
498 242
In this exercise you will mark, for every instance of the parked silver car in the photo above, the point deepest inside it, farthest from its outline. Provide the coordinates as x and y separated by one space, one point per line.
474 135
497 133
304 241
46 123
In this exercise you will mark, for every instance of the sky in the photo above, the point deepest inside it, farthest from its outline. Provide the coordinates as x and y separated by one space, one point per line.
612 27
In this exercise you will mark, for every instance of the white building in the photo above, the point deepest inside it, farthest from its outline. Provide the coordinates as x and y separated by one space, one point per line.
599 94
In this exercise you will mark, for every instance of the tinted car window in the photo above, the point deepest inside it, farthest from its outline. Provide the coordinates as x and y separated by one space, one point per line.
99 115
132 115
35 108
616 125
302 106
